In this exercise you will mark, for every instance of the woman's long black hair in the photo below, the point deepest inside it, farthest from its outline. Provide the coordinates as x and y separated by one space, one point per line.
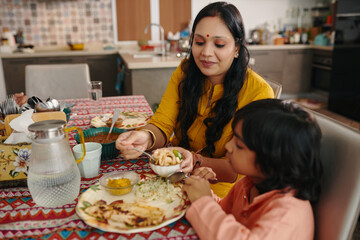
286 140
191 87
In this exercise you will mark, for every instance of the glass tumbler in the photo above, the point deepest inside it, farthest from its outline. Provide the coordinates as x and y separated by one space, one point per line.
95 91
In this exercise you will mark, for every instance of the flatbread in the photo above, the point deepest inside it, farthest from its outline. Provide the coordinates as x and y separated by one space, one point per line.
127 120
130 213
126 215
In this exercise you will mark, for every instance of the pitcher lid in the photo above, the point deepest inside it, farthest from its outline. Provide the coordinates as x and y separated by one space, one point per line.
47 129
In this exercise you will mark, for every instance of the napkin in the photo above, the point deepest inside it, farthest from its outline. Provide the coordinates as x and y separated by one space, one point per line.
20 126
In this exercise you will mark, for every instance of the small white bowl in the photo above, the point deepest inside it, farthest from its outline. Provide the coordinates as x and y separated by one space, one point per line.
164 171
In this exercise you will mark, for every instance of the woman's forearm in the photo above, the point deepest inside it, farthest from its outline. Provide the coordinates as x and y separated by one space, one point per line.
160 138
222 168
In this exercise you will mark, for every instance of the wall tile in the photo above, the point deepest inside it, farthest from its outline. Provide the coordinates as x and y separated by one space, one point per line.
55 22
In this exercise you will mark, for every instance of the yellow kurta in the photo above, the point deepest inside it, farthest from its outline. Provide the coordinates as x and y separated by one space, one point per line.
165 117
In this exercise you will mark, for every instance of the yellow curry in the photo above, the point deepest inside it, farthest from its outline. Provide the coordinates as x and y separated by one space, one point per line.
122 183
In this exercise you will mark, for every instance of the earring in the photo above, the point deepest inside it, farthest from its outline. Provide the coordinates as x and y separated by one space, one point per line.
236 54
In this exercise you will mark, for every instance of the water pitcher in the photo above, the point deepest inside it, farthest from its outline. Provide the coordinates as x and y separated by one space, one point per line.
53 177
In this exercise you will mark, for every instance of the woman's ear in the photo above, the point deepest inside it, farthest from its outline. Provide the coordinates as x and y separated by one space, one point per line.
237 49
236 53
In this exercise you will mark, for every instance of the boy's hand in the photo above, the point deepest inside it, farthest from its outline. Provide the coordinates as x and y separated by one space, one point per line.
196 187
204 172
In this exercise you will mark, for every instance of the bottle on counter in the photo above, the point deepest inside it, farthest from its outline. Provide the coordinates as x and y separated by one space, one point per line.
9 38
8 44
19 37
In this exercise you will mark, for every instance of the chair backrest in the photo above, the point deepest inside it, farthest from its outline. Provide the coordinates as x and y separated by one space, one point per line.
2 84
277 88
337 212
59 81
36 117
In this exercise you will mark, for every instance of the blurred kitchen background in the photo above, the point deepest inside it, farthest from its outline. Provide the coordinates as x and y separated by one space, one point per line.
54 22
310 47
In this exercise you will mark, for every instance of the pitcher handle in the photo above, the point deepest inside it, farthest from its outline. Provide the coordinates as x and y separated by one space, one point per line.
82 141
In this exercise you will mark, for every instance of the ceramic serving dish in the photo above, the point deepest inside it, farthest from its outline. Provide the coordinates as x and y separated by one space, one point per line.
109 150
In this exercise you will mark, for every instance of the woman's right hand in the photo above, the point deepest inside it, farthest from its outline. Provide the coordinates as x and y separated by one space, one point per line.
128 140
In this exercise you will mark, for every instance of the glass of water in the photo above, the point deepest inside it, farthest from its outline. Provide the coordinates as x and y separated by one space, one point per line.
95 92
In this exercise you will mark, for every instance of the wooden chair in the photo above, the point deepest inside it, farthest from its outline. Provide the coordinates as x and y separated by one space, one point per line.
337 212
59 81
41 116
2 132
277 88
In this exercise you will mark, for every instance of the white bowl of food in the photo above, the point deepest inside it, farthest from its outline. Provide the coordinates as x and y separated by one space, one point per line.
167 161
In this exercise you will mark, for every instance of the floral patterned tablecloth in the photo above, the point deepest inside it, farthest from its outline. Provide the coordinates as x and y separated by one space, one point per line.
21 218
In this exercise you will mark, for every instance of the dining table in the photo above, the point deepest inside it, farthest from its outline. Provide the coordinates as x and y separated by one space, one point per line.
22 218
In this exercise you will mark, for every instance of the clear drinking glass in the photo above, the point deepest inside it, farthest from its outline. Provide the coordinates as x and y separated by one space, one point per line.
95 91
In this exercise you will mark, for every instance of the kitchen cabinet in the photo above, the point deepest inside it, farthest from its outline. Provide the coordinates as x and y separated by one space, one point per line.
14 73
291 68
102 68
132 16
60 60
297 71
148 76
268 64
151 83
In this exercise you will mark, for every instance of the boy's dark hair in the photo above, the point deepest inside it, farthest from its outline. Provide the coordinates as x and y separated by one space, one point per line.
191 87
286 140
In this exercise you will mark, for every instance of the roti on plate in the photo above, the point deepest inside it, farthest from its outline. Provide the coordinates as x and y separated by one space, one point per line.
127 120
152 204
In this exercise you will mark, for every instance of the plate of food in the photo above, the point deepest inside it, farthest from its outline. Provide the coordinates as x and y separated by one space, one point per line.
151 204
126 120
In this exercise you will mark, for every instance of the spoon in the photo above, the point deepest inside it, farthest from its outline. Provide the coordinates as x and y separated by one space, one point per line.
178 176
114 119
147 154
42 107
56 104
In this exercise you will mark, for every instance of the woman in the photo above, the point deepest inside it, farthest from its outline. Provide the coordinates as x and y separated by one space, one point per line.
203 95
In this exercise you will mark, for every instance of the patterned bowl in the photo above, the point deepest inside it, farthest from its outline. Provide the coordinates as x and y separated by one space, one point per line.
109 150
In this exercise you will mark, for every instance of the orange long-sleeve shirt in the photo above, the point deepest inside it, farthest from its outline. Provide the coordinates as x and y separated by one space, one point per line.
272 215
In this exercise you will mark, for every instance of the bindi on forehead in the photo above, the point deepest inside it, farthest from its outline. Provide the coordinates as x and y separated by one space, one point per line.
207 35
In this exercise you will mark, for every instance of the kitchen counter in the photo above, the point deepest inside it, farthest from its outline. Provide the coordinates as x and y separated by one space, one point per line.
171 61
288 47
127 51
58 53
133 62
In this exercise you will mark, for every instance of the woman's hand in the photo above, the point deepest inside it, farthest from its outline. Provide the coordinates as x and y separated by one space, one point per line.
128 140
187 162
196 187
204 172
